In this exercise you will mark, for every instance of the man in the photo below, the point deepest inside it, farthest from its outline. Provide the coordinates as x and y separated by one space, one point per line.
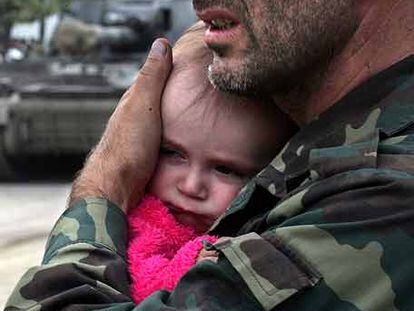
327 226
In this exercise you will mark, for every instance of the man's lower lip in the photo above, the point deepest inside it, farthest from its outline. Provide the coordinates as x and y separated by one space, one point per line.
222 37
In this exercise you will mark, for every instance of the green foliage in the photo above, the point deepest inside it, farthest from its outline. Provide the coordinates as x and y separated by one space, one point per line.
12 11
27 10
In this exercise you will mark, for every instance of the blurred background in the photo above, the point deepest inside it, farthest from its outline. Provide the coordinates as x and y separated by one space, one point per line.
63 66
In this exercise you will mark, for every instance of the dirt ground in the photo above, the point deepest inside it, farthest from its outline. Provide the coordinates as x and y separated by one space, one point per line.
27 214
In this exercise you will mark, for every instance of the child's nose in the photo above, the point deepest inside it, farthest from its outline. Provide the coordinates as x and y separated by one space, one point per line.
193 185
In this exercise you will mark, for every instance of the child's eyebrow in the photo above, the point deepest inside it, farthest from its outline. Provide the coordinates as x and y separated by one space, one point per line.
170 143
231 162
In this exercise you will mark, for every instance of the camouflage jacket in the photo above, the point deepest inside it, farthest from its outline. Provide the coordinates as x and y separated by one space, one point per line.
328 225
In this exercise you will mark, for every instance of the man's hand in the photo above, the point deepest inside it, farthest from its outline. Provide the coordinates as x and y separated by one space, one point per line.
122 163
207 255
211 255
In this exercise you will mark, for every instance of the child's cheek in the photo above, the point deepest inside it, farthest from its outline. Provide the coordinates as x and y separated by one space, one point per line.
224 196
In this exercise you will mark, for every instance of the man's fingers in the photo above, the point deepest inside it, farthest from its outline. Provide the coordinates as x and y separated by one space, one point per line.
126 156
207 255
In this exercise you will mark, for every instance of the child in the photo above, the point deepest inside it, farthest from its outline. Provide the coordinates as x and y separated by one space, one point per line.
213 143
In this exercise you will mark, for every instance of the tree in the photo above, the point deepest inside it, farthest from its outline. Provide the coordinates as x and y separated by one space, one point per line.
12 11
9 13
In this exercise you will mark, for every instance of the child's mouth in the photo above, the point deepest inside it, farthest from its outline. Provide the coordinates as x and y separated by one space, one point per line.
186 217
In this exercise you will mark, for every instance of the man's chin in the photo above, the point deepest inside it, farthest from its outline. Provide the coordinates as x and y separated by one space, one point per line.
252 78
231 77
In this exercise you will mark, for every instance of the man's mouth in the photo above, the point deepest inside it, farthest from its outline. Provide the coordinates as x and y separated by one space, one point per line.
218 19
222 26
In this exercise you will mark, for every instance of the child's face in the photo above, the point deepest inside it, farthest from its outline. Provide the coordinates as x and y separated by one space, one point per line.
212 144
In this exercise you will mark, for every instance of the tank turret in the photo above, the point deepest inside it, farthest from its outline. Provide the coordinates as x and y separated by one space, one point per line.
57 107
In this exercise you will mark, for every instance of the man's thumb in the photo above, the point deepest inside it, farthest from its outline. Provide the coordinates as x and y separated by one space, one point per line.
156 68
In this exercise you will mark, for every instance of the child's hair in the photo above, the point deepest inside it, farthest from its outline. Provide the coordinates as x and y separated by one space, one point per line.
191 49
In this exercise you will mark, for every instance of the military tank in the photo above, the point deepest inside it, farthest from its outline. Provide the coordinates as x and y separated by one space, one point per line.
54 110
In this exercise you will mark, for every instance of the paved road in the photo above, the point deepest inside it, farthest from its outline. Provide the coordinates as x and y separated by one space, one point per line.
27 214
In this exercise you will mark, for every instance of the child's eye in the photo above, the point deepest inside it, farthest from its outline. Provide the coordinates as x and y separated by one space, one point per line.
227 171
169 152
224 170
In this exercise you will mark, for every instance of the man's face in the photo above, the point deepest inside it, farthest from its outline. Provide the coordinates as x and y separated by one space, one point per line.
212 144
272 45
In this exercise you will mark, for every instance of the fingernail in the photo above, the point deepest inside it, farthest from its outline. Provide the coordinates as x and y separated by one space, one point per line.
158 49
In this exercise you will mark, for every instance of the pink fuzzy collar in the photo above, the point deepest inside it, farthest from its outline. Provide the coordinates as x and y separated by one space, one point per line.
160 249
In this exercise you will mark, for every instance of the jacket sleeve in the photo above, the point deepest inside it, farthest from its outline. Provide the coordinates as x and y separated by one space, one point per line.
345 242
84 268
342 243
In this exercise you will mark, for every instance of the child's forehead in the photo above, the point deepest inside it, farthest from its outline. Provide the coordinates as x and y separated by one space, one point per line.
189 88
208 109
189 91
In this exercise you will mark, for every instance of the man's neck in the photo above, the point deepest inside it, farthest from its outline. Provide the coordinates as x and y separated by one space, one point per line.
385 35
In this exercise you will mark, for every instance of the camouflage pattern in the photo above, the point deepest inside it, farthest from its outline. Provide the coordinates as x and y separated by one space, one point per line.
327 226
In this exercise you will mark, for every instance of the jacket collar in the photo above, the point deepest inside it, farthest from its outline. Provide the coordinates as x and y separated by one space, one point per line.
344 137
348 133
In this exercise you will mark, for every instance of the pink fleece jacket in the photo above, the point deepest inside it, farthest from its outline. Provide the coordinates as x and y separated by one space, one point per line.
160 249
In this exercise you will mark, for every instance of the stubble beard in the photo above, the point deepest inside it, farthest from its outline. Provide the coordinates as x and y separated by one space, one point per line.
237 81
283 56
